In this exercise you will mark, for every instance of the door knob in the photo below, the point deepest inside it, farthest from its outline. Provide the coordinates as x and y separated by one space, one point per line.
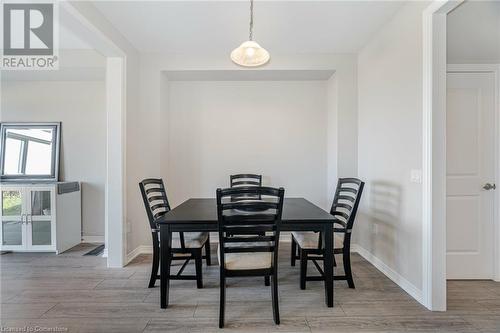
489 186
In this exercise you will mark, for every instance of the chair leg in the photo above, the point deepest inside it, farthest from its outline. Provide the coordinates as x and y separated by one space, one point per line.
346 256
294 252
198 266
207 252
303 268
334 261
267 282
275 299
222 301
155 265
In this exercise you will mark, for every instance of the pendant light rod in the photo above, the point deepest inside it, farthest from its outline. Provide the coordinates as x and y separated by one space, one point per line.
250 37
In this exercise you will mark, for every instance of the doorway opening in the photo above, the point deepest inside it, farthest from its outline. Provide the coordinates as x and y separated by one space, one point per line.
455 183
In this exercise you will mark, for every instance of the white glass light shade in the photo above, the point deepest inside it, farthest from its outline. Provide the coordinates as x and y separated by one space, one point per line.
250 54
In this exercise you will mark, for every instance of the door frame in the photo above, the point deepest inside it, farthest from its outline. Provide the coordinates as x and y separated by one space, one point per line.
495 70
434 156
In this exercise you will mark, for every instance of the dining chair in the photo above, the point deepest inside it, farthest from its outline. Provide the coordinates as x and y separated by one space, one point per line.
244 180
247 254
307 245
188 246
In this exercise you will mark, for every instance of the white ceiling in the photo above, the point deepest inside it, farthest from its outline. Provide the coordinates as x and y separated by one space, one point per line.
218 26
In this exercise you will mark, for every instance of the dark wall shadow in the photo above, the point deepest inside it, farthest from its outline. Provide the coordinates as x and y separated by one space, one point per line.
385 201
381 221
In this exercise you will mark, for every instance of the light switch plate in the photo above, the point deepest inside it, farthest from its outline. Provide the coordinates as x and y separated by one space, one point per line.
416 176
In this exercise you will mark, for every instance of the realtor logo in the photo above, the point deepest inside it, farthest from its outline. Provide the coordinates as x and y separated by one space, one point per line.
29 36
28 29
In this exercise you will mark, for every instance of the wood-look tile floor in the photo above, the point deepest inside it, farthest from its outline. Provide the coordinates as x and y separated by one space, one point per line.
73 293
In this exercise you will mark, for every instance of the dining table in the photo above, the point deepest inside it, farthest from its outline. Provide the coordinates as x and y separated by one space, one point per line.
200 215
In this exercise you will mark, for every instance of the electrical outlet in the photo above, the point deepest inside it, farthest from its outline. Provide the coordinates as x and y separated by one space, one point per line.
416 176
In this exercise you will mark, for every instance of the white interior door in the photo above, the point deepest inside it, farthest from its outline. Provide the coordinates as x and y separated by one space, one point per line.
470 167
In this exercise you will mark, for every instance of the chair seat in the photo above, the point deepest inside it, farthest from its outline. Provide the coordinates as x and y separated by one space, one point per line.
247 260
310 239
192 240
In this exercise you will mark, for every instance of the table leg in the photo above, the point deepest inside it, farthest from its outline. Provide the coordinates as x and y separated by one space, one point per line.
165 258
328 263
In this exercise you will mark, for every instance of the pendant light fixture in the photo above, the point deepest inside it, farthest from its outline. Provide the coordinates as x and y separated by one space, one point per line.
250 53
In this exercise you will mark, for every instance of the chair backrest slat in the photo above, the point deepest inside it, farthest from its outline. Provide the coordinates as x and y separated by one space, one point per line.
251 217
155 198
347 198
245 183
157 206
349 189
247 249
236 239
257 205
153 188
343 205
342 214
245 179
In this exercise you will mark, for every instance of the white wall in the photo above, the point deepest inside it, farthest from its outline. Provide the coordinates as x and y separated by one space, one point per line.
80 106
149 127
273 128
74 65
473 33
332 137
389 228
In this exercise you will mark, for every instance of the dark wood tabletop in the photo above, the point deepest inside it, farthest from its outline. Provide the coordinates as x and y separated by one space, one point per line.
205 211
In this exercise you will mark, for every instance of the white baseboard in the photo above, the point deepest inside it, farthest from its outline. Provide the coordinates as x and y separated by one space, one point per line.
141 249
92 239
406 285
